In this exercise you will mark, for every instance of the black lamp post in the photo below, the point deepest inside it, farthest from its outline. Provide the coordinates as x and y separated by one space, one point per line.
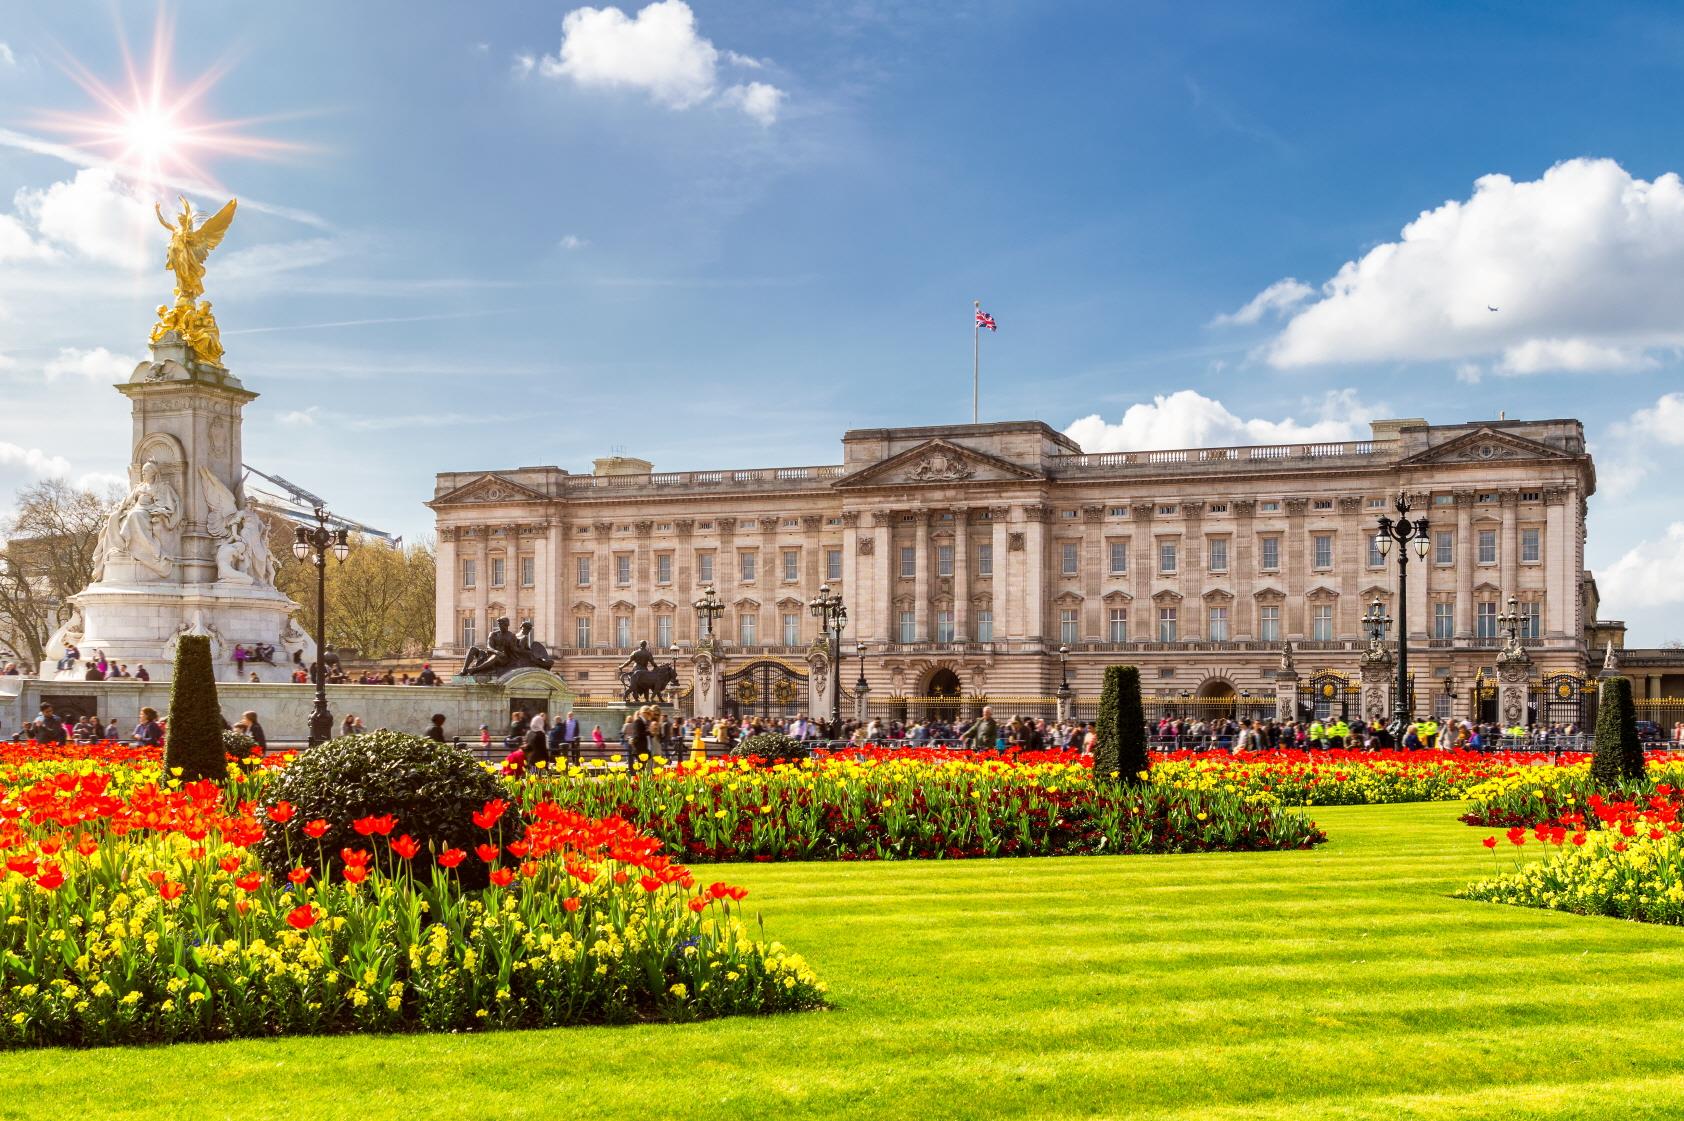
1510 622
1064 682
1245 704
1377 621
1402 532
828 608
314 543
709 607
861 687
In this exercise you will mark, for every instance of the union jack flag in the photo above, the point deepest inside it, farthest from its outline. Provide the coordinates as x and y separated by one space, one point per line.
983 319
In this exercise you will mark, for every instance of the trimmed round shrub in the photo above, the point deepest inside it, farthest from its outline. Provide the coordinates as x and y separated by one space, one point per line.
433 790
772 745
238 744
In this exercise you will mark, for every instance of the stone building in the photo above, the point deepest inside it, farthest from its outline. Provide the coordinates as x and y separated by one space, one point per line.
969 555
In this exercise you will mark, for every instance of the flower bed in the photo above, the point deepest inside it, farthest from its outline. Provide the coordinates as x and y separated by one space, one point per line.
924 804
1346 778
1555 795
1623 858
131 912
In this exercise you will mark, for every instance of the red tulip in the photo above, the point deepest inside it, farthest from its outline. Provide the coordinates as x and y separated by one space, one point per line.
314 829
1578 838
649 883
490 814
518 849
86 845
358 857
406 846
1489 842
487 853
571 903
1517 836
698 904
737 893
530 868
300 875
355 873
51 877
503 877
229 864
450 858
169 889
381 824
280 813
22 865
302 917
251 881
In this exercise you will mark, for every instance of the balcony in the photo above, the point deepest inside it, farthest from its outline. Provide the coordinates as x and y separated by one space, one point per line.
1274 454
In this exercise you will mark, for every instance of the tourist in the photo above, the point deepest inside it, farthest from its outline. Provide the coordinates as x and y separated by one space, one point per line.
48 728
255 730
570 733
93 673
981 735
435 730
637 738
239 658
597 740
148 733
427 676
514 764
140 673
556 742
484 736
111 731
537 746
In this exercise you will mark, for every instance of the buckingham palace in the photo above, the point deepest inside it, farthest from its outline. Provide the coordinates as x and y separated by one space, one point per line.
1000 561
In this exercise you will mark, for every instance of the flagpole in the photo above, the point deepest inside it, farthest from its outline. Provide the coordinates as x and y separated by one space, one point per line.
976 351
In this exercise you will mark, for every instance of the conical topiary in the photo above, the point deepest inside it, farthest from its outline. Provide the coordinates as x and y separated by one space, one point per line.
193 745
1121 732
1619 753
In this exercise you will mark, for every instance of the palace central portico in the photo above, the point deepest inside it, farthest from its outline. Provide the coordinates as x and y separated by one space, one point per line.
968 555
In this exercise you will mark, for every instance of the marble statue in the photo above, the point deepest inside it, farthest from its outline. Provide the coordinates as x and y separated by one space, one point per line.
136 528
242 556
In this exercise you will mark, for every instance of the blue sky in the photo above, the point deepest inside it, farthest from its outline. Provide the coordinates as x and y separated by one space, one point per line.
721 233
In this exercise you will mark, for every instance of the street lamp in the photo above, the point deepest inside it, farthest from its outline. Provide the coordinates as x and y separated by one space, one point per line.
827 607
1245 704
1510 621
861 687
314 543
708 608
1377 621
1064 683
1402 531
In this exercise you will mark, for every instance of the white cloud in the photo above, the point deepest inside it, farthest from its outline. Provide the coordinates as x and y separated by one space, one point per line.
301 418
523 65
1188 419
17 244
1663 421
33 460
1650 574
97 365
98 216
1584 267
1469 373
757 99
571 242
1627 456
7 58
658 51
1277 299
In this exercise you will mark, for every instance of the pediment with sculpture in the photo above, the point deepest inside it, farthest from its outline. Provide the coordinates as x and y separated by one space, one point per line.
937 462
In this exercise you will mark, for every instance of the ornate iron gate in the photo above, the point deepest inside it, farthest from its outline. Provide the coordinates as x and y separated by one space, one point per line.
766 688
1325 693
1560 699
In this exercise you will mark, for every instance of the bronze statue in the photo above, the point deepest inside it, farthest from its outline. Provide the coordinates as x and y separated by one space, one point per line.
504 651
643 678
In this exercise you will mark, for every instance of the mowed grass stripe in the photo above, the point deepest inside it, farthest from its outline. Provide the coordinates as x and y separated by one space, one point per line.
1342 982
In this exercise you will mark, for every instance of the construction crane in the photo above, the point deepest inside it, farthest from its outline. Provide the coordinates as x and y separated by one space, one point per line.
300 505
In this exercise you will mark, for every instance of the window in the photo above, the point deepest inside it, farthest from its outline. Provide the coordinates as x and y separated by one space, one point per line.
1217 625
1166 558
1324 504
1485 619
1270 507
468 631
1444 547
1376 559
833 564
985 560
944 560
1269 622
1486 497
1443 499
469 573
1069 558
497 565
1531 495
1487 546
1070 514
1119 558
1166 624
1067 625
704 567
622 630
1531 547
792 565
792 629
985 625
1531 620
1118 625
745 564
1322 545
1219 554
1321 622
746 623
528 571
1166 509
1376 503
944 626
1217 508
582 632
908 561
622 568
1271 553
582 571
1444 620
908 627
663 568
1118 512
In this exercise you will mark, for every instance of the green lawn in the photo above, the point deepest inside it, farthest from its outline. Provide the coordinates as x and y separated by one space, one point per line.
1340 983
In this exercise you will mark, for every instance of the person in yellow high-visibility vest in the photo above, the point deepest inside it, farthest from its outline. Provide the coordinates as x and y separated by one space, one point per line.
1426 730
1338 734
1318 734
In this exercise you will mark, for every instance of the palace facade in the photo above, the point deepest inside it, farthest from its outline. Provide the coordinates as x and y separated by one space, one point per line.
969 555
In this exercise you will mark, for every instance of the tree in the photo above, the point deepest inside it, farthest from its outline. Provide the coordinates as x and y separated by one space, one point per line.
194 739
1619 753
379 599
1121 730
51 547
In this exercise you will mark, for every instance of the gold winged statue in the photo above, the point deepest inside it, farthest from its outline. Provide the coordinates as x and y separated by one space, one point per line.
189 247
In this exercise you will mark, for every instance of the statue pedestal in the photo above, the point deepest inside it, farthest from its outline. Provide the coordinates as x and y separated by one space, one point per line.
137 624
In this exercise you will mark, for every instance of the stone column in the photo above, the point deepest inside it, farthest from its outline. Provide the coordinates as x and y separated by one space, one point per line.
542 613
447 583
1242 569
961 575
1514 669
1558 562
1508 555
643 583
1296 624
725 578
1095 568
769 576
1465 565
862 611
1379 677
1004 608
482 584
922 581
882 543
704 669
1347 615
1035 570
1143 562
1195 622
602 584
686 591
